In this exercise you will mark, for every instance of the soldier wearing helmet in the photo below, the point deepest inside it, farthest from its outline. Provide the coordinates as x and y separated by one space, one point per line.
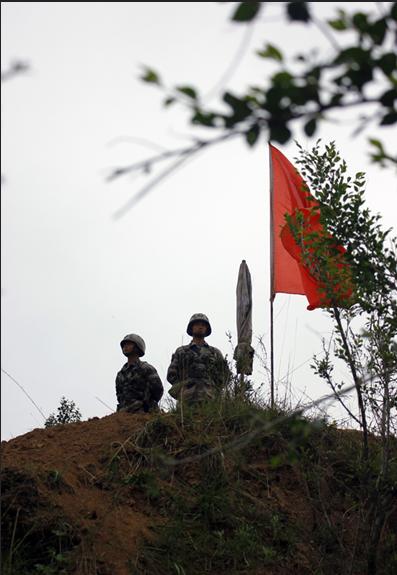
198 372
138 386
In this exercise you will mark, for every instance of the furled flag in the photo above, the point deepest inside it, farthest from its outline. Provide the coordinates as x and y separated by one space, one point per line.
297 266
244 352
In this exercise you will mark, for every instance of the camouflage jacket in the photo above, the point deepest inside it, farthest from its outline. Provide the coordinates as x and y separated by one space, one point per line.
138 387
197 371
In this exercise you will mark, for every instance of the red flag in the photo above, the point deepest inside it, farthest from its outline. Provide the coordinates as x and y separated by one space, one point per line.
292 271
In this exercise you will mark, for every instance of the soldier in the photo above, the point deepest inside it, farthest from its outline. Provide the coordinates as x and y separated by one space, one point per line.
138 386
198 372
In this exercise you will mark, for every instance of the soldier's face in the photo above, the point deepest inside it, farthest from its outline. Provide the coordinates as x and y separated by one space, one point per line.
128 348
199 329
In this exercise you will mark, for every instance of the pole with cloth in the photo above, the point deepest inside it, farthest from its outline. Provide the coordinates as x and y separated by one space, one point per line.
244 353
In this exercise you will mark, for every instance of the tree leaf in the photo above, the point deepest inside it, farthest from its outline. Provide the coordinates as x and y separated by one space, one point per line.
201 118
279 132
271 51
388 119
361 76
252 135
310 127
377 144
338 24
246 11
298 11
353 54
150 76
388 63
360 21
377 31
389 97
283 79
168 101
241 109
188 91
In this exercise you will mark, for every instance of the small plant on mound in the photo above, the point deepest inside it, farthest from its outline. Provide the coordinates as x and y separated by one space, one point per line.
68 412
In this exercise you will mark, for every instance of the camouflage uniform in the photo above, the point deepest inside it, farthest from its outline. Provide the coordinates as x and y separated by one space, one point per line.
138 387
197 373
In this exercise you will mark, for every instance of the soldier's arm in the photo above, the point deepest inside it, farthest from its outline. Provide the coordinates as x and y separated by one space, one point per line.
155 385
173 370
119 392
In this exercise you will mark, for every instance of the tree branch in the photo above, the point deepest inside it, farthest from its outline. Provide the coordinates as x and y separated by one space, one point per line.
185 155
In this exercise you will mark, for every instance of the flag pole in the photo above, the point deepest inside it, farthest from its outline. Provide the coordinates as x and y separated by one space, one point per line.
271 281
271 355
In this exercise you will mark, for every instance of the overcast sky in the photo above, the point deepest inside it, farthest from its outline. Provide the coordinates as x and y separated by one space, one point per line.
74 279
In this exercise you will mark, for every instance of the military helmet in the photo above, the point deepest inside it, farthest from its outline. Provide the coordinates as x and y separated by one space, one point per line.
198 317
138 342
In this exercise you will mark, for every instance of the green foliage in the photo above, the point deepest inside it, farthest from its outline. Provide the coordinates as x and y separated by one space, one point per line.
366 324
187 91
345 216
361 71
211 530
37 547
371 257
272 52
247 11
57 565
298 11
68 412
150 76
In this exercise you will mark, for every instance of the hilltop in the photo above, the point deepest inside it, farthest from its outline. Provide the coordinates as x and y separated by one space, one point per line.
233 488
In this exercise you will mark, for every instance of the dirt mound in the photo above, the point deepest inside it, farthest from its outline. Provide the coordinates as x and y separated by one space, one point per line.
57 496
230 489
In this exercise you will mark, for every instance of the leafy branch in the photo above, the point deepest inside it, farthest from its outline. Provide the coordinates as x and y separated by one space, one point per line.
308 89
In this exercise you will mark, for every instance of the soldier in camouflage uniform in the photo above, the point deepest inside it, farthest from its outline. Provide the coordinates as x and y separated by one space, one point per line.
138 386
198 372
